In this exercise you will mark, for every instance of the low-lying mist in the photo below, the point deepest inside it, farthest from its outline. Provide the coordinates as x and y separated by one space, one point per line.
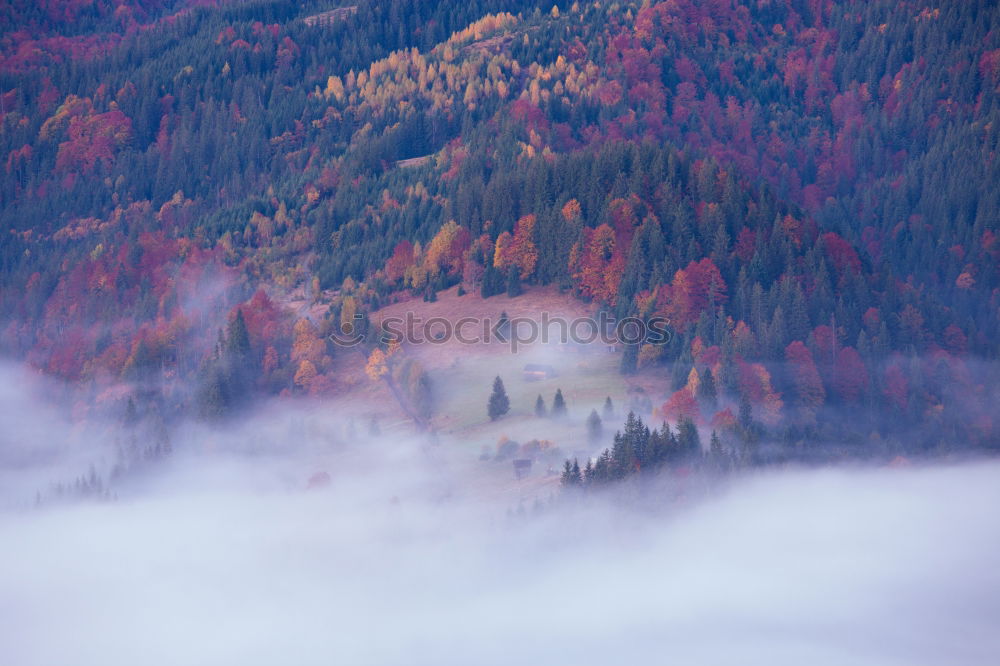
280 540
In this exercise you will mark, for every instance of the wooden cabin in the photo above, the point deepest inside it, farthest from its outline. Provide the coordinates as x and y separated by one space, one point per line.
534 372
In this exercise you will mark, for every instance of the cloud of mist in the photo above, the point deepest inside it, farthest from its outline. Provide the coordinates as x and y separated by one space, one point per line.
36 440
222 555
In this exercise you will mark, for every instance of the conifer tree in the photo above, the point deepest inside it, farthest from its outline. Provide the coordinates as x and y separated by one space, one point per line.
238 338
688 438
745 418
717 455
514 282
622 456
492 281
540 410
131 413
499 403
571 475
594 427
608 412
567 474
558 405
706 388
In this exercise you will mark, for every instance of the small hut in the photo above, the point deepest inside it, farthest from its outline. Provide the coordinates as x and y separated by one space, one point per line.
522 468
534 372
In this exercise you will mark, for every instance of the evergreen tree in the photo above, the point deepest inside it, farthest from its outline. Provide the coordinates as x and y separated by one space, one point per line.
567 475
213 397
706 388
718 458
514 282
499 403
594 427
238 338
688 439
622 457
540 410
558 405
492 281
571 475
745 418
608 413
131 413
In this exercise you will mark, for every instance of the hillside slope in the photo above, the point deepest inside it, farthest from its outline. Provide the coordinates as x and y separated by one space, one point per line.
804 189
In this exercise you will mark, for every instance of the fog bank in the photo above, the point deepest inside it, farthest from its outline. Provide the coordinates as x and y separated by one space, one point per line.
226 558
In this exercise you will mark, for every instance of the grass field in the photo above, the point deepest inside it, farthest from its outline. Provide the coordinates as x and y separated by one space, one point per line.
462 374
462 378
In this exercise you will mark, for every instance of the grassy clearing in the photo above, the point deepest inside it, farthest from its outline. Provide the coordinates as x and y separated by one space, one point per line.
462 378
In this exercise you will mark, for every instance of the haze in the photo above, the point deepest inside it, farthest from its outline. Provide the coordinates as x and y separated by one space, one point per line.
224 556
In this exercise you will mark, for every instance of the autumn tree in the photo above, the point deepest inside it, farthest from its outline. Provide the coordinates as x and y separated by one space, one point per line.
597 264
850 375
809 392
305 374
517 250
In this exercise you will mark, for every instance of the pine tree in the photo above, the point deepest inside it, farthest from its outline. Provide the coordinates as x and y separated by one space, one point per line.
745 418
499 403
717 455
594 427
514 282
609 409
567 475
213 398
540 410
620 458
688 438
238 338
571 475
131 413
558 405
706 387
492 281
233 366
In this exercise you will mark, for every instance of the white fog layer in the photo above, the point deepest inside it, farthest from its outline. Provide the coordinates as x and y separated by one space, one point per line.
225 558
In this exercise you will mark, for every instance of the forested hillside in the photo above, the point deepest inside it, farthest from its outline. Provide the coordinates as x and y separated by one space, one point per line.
806 190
